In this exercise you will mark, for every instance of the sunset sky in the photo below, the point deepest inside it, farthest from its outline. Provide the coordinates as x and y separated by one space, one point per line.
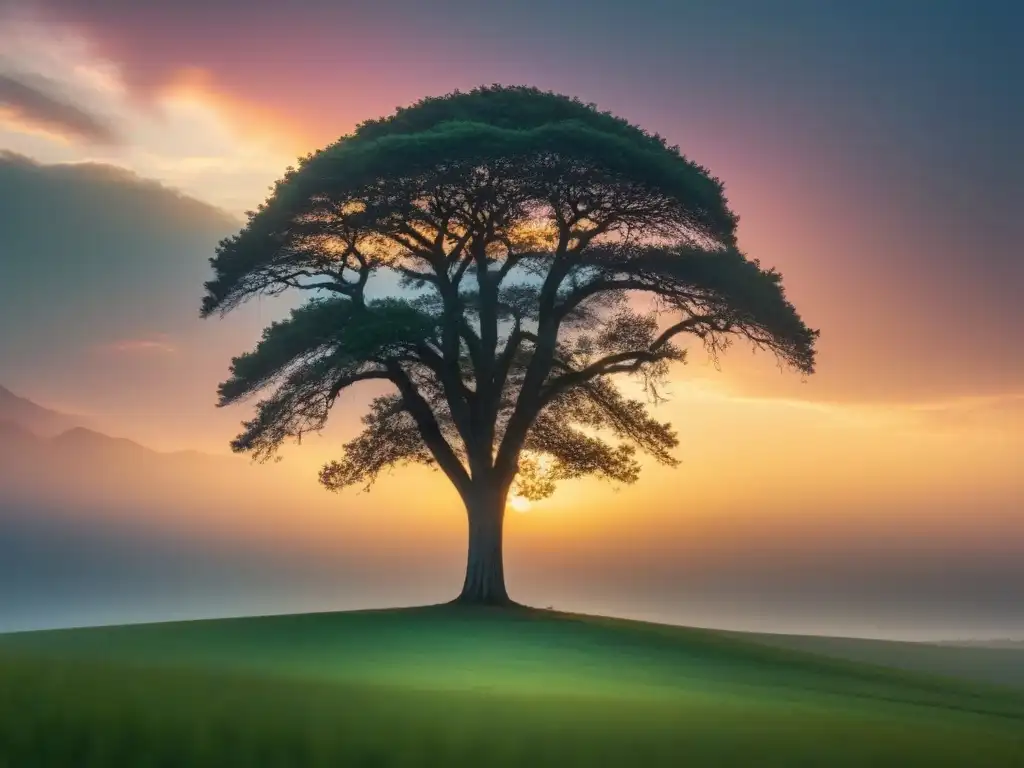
872 150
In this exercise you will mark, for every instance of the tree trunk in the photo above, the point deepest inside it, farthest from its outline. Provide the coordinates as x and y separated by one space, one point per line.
485 572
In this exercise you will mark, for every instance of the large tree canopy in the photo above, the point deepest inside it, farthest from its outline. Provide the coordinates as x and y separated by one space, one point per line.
527 229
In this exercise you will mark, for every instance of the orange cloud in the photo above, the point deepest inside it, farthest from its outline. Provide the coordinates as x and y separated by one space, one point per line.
159 344
16 121
34 101
253 121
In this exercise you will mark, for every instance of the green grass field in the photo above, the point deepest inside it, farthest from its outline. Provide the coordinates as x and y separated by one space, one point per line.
1001 664
450 687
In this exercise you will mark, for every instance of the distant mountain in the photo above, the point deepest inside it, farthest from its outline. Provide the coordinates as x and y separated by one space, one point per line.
85 459
12 432
35 418
81 468
89 441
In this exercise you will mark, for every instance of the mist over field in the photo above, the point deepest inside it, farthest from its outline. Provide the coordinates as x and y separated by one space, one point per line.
125 534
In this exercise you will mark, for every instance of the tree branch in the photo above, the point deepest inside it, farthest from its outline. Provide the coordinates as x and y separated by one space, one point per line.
429 429
622 362
527 405
347 381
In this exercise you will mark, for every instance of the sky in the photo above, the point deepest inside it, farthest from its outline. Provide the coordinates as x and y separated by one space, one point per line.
872 151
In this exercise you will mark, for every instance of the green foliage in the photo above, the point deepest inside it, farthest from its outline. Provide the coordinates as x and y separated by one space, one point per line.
520 221
390 438
516 108
324 346
317 328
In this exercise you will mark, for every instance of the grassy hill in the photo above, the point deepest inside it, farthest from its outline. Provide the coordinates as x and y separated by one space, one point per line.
996 662
446 686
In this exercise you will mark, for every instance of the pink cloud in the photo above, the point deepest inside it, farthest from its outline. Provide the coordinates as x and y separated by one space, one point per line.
153 345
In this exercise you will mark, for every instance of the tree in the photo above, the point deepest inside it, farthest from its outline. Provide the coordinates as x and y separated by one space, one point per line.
523 228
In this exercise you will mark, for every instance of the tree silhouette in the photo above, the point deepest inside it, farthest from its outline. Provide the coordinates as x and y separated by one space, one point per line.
522 227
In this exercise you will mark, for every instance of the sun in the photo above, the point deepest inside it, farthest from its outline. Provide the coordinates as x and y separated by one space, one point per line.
519 504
